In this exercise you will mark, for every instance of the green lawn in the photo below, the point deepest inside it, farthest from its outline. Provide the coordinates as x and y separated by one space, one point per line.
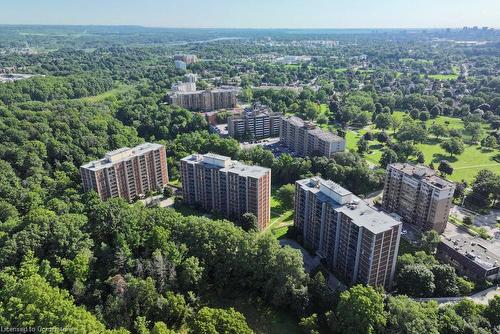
375 153
466 165
176 183
281 218
107 95
453 76
341 70
280 232
189 210
420 61
262 319
471 229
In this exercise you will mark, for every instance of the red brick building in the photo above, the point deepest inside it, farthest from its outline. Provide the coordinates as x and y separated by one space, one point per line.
127 172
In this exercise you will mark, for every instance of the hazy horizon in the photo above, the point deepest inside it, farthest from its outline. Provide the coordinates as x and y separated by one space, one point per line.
257 14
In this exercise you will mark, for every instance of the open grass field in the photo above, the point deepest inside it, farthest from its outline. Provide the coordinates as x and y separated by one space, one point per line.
261 319
110 94
281 218
466 165
452 76
419 61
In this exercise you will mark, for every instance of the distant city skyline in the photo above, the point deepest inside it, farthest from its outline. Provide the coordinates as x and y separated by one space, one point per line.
298 14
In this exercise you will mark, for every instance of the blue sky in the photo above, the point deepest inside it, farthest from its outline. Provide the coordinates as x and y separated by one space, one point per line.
256 13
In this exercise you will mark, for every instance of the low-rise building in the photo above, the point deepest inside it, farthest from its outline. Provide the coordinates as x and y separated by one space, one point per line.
127 172
305 138
358 243
471 256
418 195
231 188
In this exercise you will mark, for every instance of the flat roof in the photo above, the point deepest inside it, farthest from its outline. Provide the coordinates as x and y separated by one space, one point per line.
231 166
423 173
123 153
361 213
325 135
214 90
246 170
313 129
294 120
475 249
216 156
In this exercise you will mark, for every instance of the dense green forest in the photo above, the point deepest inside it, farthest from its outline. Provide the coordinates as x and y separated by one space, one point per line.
68 260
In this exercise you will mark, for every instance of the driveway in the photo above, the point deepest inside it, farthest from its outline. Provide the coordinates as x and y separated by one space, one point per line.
263 142
482 297
310 262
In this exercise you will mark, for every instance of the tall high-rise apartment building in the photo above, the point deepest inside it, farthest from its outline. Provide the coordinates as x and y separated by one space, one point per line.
231 188
256 123
184 87
127 172
190 77
180 65
188 59
359 243
305 138
418 195
205 100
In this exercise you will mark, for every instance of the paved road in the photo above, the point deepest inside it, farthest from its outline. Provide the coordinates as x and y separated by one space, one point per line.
263 143
482 297
158 200
310 262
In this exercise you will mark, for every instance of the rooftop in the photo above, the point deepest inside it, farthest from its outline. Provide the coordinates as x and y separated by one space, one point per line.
257 110
423 173
246 170
213 90
325 135
475 249
313 129
226 164
361 213
121 154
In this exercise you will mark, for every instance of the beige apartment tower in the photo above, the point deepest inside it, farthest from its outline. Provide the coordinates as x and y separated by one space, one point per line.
228 187
205 100
359 243
127 172
305 138
255 123
418 195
